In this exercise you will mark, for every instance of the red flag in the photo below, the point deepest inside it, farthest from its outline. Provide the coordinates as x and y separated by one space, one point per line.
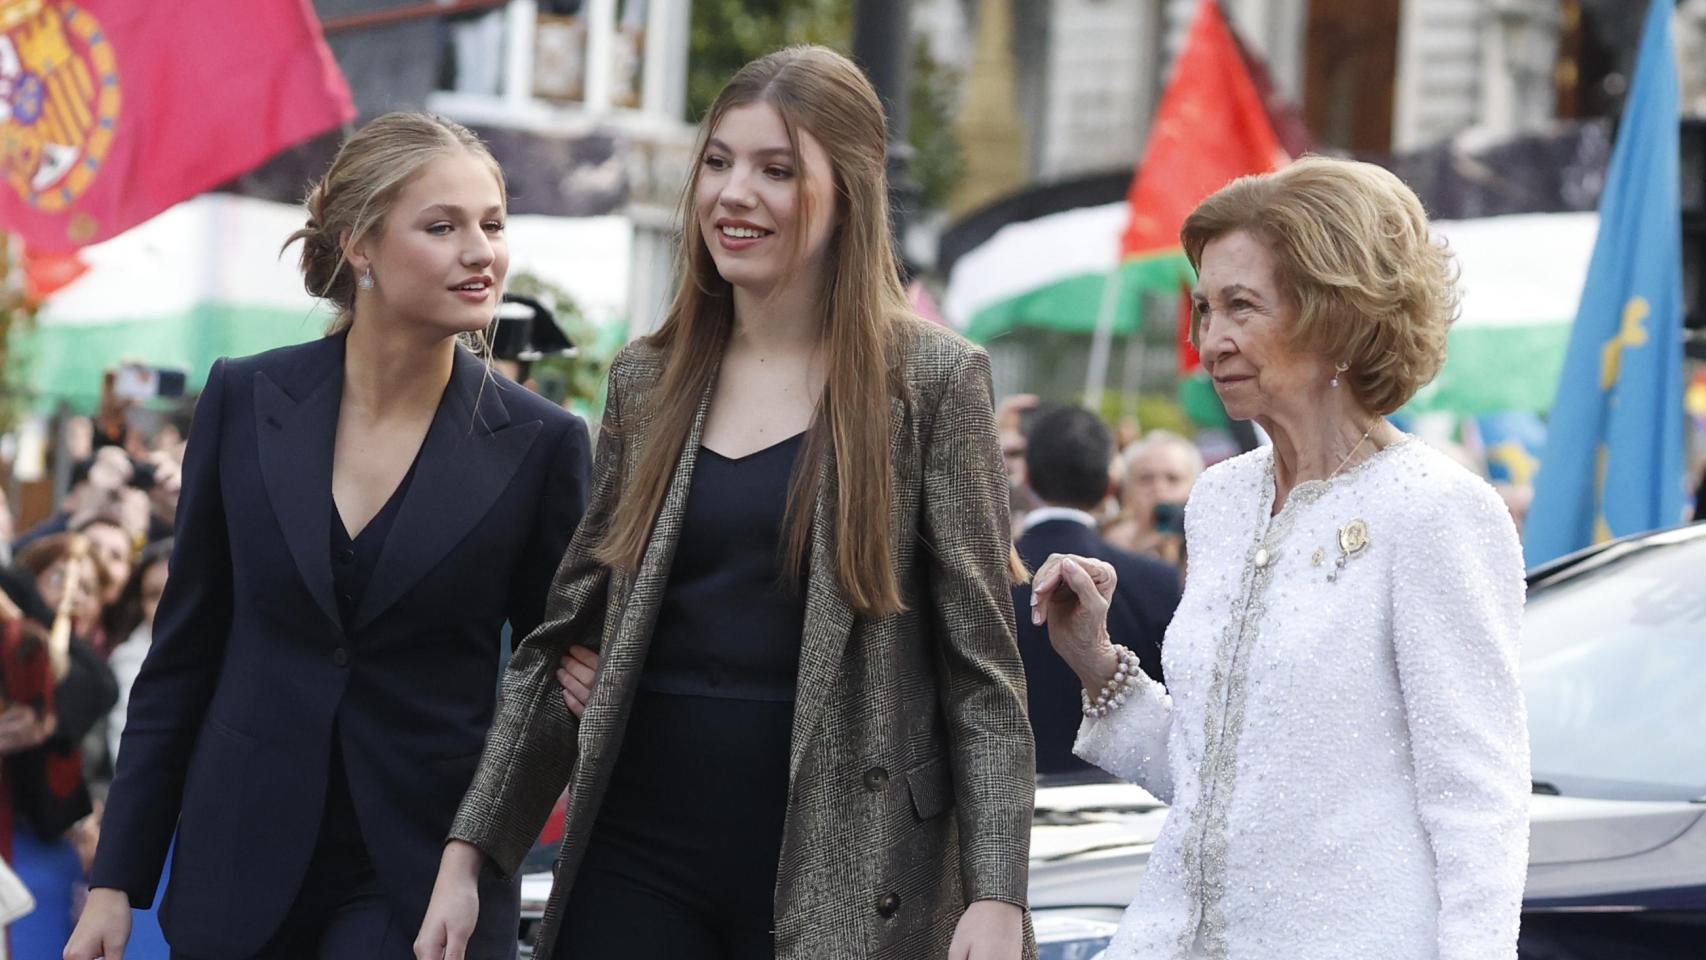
48 273
113 110
1210 128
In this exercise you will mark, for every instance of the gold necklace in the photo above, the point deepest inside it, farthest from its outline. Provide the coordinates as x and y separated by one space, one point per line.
1359 443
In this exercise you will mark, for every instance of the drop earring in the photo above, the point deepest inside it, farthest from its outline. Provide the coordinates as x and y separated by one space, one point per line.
366 283
1341 368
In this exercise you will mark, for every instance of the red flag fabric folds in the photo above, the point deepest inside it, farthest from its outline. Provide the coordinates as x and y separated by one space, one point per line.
113 110
1211 127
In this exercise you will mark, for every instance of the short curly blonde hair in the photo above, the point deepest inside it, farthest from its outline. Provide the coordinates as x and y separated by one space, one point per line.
1353 254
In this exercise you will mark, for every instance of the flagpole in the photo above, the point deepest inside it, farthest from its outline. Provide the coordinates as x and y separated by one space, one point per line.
1135 357
1101 343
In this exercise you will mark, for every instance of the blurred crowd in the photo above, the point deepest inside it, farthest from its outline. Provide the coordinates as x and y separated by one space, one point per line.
78 593
1150 475
1149 478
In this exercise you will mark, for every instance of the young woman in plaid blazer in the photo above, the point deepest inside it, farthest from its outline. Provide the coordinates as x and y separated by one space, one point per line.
807 738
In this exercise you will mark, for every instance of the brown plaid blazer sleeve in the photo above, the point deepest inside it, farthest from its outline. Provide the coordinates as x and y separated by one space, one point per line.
532 746
967 538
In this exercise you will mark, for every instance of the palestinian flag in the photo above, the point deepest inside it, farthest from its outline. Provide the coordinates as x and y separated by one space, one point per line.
1520 277
1213 125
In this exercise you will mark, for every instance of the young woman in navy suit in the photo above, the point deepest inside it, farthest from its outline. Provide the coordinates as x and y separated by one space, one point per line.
360 515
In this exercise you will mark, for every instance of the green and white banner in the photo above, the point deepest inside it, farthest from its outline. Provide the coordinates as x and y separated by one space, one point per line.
206 279
1521 280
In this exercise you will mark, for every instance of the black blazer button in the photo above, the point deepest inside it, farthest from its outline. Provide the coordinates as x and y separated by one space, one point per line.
876 778
340 657
889 905
346 555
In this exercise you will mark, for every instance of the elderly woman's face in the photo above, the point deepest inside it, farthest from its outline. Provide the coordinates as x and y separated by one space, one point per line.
1245 332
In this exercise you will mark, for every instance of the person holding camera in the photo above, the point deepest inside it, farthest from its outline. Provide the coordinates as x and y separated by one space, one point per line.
359 516
1159 472
1066 462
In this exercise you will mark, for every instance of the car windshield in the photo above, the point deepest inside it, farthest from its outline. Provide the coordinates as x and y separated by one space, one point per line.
1614 669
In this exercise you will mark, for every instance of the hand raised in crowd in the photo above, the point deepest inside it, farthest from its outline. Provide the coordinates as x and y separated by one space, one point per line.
1071 594
109 477
578 670
111 471
134 509
168 481
22 728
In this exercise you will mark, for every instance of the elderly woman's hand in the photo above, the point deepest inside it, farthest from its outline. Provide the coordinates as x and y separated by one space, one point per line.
1071 594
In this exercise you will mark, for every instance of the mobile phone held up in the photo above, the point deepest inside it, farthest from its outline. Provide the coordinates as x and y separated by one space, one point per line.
137 382
1169 518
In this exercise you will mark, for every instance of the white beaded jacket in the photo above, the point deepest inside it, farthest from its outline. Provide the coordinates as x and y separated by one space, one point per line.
1342 738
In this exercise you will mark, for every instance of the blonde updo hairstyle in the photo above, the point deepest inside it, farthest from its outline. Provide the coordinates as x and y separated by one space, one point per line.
352 200
1352 253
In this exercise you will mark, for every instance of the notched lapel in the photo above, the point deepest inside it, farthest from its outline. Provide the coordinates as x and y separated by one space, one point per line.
467 459
829 620
294 440
625 656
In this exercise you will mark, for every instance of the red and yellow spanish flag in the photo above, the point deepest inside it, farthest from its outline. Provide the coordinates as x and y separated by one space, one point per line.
113 110
1211 127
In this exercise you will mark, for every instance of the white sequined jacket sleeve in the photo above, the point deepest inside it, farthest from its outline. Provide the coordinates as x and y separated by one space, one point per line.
1132 742
1457 596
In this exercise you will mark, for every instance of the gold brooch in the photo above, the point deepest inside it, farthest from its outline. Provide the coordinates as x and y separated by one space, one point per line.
1353 539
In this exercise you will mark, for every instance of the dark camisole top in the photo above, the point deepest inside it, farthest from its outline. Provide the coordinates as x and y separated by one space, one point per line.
353 562
730 624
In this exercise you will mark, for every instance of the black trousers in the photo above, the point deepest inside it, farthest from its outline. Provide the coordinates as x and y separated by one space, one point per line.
340 914
682 862
340 911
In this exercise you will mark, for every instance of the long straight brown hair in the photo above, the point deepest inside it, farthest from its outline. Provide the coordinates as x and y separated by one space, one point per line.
816 89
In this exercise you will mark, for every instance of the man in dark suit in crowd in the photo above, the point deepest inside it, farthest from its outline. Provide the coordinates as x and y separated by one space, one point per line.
1067 454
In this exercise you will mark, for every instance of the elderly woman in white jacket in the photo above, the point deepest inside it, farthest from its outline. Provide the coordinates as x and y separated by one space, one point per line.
1342 736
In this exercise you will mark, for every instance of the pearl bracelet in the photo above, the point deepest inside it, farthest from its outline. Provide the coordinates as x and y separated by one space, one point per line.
1113 693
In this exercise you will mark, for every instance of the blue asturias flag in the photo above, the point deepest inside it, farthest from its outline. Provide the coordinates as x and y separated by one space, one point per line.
1613 459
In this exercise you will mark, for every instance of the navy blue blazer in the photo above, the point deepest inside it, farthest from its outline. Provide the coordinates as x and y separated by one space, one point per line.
229 731
1145 595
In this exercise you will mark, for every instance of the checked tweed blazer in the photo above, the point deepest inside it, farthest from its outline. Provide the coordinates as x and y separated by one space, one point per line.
911 769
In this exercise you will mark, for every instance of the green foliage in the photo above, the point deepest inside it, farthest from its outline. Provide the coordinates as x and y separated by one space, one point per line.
727 34
576 382
1155 411
938 163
